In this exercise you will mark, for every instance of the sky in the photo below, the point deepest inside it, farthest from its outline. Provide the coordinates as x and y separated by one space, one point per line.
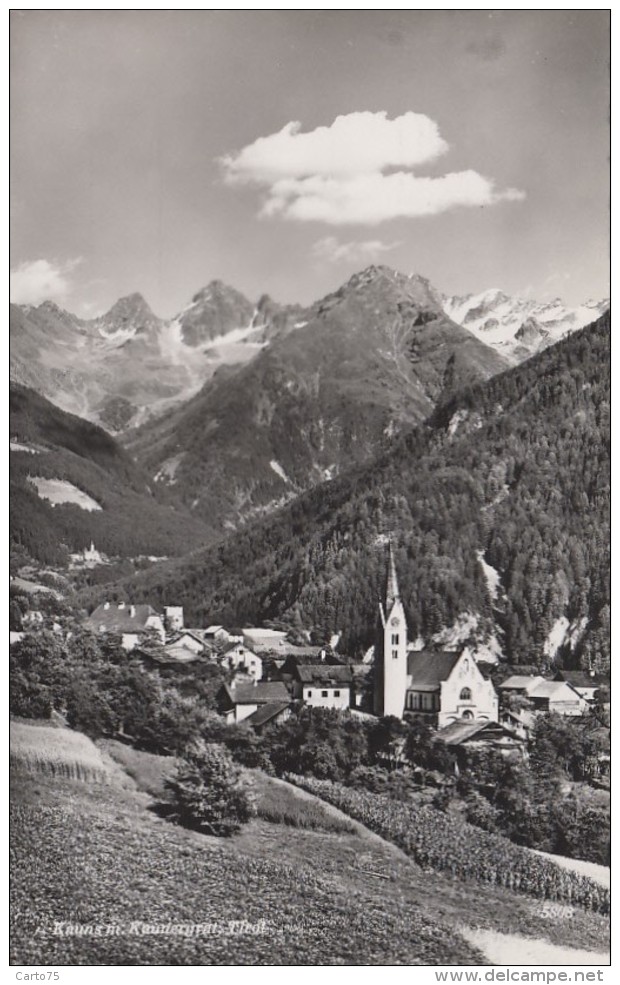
281 151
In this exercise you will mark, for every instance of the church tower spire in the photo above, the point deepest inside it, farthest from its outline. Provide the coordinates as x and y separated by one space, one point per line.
391 648
392 593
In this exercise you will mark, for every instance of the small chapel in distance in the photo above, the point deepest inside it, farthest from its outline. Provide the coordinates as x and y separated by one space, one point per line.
436 687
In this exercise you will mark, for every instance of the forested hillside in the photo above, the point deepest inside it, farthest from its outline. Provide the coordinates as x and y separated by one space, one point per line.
516 468
129 516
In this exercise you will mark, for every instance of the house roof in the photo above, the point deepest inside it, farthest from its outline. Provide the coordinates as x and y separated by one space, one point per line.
263 692
119 617
428 668
581 678
267 634
180 633
176 651
213 629
323 674
520 682
546 689
459 732
267 712
233 646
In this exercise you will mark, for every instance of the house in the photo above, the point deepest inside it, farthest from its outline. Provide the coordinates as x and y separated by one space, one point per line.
187 639
520 722
131 622
212 633
480 735
238 701
321 685
546 696
437 687
264 640
362 685
173 617
183 649
237 656
585 682
270 714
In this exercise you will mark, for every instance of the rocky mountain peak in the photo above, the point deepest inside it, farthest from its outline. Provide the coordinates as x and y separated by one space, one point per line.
130 312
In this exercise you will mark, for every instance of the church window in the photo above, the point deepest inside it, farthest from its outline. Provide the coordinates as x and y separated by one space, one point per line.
468 715
465 694
309 694
394 639
394 654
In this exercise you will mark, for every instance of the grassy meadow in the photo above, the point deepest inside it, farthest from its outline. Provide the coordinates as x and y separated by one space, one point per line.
329 891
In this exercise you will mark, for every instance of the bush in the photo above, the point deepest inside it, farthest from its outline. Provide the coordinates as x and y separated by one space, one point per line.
208 793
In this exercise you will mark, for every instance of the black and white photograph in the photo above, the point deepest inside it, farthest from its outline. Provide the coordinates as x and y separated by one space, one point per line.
309 598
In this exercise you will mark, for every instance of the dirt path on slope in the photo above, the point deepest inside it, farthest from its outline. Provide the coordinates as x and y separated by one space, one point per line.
508 949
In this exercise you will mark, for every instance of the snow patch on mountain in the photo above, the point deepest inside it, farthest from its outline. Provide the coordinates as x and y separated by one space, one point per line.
492 576
277 468
167 472
563 632
518 327
59 491
18 446
482 645
452 636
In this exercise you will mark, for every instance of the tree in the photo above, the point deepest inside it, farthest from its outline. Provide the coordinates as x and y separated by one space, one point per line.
208 793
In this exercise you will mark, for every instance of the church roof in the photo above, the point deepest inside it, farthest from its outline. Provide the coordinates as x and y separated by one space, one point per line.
428 668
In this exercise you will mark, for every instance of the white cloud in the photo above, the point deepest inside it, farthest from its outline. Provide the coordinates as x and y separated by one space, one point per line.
375 198
39 280
336 174
354 144
330 249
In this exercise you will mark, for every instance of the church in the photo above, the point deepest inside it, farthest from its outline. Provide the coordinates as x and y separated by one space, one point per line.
436 687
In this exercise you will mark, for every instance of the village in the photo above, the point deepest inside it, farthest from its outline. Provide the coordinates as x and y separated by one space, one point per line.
268 676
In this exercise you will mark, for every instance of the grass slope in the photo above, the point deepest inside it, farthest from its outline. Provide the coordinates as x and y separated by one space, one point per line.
85 854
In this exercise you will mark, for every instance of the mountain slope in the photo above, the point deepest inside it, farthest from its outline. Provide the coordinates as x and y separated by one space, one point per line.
72 483
519 327
499 510
330 391
128 364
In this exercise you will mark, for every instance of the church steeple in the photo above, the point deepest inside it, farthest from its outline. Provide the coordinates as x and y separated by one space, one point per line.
392 593
391 648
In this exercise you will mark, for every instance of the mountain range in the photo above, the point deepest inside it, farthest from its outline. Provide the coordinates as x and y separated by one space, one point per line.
128 366
330 391
285 443
519 327
498 511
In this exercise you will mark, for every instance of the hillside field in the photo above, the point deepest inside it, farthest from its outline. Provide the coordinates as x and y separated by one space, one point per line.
88 853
